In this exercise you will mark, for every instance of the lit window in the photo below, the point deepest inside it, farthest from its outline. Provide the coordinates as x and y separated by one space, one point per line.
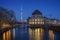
5 25
29 22
35 22
42 22
35 19
38 20
32 19
32 22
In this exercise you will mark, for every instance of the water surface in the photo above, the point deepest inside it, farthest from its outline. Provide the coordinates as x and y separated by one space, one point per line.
24 33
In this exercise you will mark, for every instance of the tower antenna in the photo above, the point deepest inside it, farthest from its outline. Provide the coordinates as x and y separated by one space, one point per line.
21 14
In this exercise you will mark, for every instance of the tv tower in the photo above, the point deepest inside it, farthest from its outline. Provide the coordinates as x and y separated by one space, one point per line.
21 14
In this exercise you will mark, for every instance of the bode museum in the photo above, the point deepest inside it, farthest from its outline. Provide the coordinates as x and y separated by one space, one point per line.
38 20
46 26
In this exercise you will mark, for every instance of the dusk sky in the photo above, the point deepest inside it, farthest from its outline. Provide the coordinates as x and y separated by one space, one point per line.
49 8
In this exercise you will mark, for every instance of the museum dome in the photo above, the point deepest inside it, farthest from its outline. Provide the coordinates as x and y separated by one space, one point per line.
36 12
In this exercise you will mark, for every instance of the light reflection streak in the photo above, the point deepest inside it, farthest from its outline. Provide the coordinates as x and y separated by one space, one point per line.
36 34
51 35
14 33
6 35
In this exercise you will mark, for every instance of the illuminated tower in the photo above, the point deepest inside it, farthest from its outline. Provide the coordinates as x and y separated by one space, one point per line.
21 15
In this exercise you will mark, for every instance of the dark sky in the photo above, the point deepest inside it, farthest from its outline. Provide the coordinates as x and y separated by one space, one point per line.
49 8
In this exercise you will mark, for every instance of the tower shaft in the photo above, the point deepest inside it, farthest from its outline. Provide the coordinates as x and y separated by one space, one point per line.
21 15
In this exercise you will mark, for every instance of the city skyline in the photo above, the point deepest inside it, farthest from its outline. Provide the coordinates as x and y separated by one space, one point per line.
49 8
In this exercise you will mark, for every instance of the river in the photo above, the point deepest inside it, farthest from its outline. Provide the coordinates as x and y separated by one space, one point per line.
24 33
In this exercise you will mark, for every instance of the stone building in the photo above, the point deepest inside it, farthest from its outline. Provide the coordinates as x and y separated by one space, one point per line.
36 19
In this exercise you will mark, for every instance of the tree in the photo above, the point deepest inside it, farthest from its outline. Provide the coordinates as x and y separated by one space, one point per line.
6 16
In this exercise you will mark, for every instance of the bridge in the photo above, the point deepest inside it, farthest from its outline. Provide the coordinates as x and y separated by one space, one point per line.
52 26
35 21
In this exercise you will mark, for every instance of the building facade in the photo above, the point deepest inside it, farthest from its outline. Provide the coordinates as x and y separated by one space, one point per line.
36 19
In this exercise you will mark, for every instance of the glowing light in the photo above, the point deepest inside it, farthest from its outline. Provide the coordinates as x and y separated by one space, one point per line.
35 22
5 25
6 35
31 22
3 36
42 22
36 34
35 19
51 35
38 22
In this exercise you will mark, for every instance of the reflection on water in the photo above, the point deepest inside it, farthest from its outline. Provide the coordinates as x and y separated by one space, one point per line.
51 35
23 33
36 34
6 35
13 33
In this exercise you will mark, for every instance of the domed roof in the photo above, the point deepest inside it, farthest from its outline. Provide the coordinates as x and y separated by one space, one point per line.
36 12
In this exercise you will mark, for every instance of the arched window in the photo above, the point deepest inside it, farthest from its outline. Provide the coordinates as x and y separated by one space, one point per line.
35 19
29 22
35 22
32 22
38 22
38 19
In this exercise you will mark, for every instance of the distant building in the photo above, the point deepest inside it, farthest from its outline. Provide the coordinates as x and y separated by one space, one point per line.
36 19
